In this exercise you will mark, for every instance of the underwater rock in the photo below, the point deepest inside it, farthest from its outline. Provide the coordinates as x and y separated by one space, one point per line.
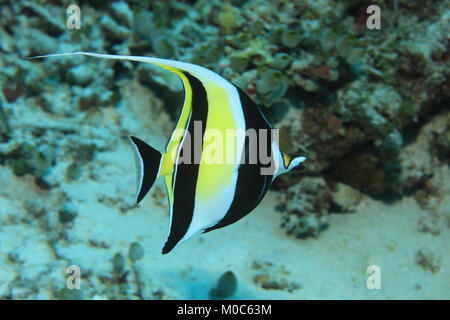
118 263
162 46
228 19
113 29
49 17
336 147
143 24
7 43
70 294
43 159
431 223
442 146
26 158
290 38
238 63
94 96
281 60
11 94
271 86
360 100
275 35
20 167
367 173
257 27
227 73
35 208
428 260
345 198
305 207
82 74
272 277
73 171
246 80
268 81
226 286
122 13
67 213
32 41
136 251
4 128
165 84
320 134
421 171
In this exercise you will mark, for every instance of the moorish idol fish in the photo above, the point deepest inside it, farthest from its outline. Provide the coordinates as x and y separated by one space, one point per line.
204 196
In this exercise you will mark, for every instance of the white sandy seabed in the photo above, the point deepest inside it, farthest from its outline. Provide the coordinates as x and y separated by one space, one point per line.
331 266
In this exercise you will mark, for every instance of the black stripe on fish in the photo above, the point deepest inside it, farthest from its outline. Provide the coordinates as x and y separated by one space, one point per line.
251 185
187 173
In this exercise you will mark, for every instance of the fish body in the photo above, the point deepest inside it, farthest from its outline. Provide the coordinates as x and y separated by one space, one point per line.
209 184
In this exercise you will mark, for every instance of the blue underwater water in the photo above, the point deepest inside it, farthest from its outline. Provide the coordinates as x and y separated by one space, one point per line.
359 88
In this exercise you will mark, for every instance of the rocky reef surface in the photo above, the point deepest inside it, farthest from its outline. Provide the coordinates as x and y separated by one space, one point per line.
368 108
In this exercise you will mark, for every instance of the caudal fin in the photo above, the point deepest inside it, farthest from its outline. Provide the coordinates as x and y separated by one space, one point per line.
148 163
